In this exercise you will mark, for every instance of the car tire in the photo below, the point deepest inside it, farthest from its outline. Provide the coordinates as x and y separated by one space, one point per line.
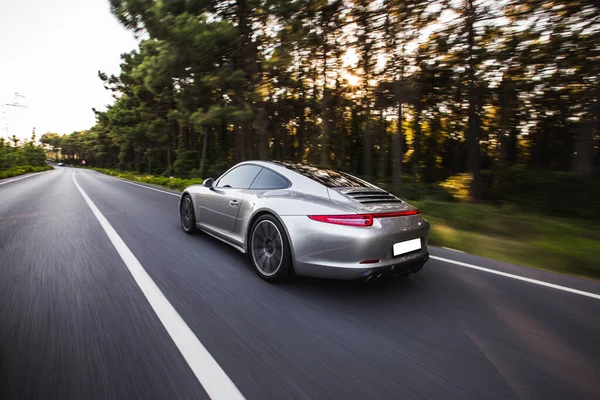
187 217
269 249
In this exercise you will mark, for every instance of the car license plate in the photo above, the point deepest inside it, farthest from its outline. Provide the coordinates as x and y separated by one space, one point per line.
407 246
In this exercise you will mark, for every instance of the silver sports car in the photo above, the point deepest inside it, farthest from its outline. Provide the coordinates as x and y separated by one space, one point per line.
291 217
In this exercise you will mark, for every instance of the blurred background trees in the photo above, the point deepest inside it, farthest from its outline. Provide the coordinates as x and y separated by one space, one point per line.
480 95
19 157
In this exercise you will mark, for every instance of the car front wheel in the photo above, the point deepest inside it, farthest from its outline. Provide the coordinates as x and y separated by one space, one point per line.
187 216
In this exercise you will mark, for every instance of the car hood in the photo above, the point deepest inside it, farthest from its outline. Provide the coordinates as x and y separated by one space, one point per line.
368 200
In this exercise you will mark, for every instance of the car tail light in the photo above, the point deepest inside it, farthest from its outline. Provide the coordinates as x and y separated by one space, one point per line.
396 214
369 261
349 220
358 219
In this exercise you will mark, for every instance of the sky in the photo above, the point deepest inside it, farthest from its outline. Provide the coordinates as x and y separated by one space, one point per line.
51 52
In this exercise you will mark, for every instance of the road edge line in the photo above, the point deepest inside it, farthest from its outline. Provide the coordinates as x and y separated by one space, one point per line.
26 176
137 184
520 278
451 249
210 375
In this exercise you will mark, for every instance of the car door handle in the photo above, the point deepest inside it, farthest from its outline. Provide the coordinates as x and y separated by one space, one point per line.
234 203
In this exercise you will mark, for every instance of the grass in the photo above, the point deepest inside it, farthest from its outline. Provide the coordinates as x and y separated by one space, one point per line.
171 183
505 233
22 169
512 235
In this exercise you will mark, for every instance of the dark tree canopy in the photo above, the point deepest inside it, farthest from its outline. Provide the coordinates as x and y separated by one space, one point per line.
391 90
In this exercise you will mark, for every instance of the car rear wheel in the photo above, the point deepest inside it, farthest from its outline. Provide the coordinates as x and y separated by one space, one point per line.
269 249
187 216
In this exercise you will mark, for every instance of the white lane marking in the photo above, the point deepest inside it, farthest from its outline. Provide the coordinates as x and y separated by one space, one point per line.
137 184
208 372
451 249
24 177
520 278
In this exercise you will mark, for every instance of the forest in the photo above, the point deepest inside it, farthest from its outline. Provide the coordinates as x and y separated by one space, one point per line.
502 93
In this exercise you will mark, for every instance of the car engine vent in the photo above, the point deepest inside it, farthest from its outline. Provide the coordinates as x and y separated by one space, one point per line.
368 196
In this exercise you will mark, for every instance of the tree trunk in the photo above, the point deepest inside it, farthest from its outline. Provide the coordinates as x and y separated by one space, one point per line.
249 149
503 131
263 132
137 160
246 61
313 140
367 143
279 142
168 160
473 121
365 45
397 153
203 157
584 149
325 158
512 147
416 158
301 131
342 149
565 156
382 154
325 116
238 139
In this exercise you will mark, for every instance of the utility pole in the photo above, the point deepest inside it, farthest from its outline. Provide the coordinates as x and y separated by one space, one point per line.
4 123
16 103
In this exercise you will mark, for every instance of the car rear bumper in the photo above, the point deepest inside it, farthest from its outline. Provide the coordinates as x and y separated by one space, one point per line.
333 251
400 266
404 268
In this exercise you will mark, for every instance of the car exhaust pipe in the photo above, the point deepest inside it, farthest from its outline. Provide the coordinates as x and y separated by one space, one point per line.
371 277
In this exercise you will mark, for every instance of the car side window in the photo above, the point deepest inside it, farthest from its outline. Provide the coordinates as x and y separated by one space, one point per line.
268 180
240 177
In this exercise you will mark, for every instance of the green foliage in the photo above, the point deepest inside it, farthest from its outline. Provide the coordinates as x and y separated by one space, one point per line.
20 159
459 186
187 161
544 192
421 191
558 193
34 155
513 235
168 182
22 169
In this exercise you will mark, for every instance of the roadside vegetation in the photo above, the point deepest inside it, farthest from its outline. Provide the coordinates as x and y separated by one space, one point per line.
508 233
541 219
22 169
167 182
20 158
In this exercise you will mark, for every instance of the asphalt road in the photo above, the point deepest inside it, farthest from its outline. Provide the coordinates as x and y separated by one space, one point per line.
74 324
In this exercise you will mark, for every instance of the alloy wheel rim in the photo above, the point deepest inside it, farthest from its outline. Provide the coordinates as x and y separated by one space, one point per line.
267 247
186 214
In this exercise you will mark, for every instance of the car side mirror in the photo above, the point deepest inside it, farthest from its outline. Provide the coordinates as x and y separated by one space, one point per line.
208 182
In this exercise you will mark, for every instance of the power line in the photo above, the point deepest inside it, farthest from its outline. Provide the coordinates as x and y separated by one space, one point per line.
16 103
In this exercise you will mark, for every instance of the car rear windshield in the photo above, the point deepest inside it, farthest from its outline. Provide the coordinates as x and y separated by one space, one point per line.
325 176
